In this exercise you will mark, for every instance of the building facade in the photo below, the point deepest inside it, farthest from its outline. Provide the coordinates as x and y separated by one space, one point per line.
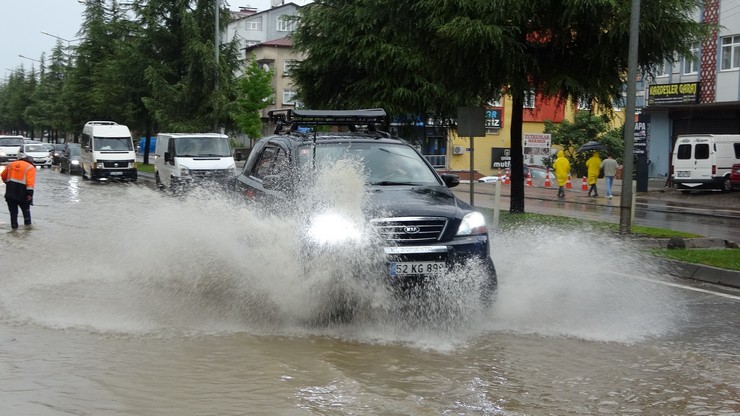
695 94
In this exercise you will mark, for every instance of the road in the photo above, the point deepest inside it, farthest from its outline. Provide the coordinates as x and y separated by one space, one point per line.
124 300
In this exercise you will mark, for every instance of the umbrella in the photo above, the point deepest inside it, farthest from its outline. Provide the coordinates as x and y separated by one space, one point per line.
591 146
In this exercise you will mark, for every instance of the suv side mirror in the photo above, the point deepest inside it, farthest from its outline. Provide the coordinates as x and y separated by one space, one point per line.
451 180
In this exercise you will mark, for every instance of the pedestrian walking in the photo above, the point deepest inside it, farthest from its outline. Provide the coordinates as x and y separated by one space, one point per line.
593 164
562 169
610 171
19 178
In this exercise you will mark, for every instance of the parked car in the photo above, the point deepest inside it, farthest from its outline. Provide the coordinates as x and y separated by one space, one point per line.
735 176
39 152
56 153
69 160
489 179
424 229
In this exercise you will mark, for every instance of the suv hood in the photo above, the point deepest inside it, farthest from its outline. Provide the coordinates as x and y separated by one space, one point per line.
401 201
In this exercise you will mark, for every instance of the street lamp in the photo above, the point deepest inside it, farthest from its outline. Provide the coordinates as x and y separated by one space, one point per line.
59 37
30 59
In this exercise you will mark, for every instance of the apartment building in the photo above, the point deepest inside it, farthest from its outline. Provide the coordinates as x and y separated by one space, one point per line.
696 94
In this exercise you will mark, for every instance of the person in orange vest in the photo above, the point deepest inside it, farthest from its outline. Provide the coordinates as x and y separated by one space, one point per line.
19 178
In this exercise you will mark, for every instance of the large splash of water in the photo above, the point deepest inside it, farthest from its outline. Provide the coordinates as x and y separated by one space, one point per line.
127 259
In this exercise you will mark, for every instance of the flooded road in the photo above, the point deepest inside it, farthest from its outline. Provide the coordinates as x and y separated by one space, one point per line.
122 300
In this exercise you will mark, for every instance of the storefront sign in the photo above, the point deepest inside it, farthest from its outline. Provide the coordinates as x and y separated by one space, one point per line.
679 93
536 148
500 158
494 118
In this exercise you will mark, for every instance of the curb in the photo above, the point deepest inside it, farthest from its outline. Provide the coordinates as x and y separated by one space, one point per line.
703 273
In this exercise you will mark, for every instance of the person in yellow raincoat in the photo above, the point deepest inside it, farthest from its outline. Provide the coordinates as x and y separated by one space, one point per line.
594 166
562 169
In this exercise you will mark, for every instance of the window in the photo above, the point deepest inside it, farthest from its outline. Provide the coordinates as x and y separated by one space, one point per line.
284 23
731 52
737 150
288 66
270 162
663 69
529 99
248 43
584 104
701 151
253 24
691 63
684 152
289 97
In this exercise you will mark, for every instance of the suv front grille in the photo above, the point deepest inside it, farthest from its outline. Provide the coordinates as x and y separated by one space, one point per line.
411 230
116 164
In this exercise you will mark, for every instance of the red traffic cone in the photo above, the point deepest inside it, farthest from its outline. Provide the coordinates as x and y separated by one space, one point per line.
584 185
529 179
547 178
507 180
568 185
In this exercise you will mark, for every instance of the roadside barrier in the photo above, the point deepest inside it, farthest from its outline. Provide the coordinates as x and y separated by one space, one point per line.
568 184
547 178
584 185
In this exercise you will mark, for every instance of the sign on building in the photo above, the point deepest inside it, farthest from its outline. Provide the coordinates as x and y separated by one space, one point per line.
676 93
536 148
500 158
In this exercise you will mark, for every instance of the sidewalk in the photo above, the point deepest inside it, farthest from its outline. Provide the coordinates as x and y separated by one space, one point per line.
719 205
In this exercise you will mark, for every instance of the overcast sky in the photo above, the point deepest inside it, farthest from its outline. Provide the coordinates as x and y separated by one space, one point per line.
23 22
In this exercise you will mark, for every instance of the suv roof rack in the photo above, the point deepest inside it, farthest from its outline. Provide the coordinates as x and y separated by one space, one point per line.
305 118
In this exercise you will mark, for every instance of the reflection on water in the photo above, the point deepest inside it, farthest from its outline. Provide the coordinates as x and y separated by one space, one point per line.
125 300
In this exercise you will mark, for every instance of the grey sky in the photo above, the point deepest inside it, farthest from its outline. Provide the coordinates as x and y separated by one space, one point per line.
24 20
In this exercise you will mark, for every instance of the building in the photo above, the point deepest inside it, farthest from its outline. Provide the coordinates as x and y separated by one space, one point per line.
695 94
265 37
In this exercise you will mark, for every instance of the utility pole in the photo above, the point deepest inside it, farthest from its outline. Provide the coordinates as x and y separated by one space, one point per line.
216 12
626 203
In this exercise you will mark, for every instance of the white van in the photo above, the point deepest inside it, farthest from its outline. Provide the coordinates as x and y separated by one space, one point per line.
187 158
705 160
9 147
107 152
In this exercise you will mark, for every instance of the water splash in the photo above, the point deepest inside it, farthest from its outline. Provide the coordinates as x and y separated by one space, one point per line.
130 260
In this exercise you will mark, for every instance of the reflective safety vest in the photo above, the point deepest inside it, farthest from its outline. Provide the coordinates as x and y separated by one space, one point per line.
19 178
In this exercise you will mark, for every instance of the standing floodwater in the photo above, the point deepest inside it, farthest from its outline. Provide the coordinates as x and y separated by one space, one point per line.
126 301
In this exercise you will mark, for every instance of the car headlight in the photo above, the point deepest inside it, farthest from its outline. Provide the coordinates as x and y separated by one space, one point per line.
474 223
3 154
184 171
333 229
75 162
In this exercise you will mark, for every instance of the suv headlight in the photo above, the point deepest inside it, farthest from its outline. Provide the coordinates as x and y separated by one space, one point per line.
184 171
473 223
333 229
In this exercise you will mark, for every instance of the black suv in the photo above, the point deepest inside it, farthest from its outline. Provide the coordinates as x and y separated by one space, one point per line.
424 230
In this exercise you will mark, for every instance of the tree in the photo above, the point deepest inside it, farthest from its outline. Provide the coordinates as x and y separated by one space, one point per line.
190 91
472 50
254 90
585 127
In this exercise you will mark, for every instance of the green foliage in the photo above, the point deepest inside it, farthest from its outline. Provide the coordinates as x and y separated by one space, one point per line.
726 258
585 127
253 94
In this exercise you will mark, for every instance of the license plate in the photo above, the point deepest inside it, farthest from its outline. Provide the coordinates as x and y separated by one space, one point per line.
683 174
416 267
116 173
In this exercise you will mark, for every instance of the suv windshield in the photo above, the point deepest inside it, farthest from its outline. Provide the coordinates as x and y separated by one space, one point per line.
382 164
